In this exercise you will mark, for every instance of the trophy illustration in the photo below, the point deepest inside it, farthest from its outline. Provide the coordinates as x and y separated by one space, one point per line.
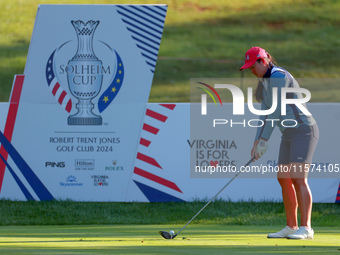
84 75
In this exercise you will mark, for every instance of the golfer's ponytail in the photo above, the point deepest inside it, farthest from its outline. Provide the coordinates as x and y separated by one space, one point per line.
271 60
258 94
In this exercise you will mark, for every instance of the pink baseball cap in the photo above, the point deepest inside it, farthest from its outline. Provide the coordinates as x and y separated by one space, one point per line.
252 55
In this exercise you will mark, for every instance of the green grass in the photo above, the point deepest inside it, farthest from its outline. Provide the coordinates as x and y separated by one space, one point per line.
218 212
207 39
201 39
141 239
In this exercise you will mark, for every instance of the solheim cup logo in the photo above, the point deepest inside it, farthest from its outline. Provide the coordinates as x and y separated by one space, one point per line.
85 74
88 84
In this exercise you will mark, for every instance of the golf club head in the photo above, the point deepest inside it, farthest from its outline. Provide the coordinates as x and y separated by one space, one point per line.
167 235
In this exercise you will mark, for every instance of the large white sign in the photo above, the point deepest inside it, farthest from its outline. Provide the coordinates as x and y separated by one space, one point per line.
161 168
87 82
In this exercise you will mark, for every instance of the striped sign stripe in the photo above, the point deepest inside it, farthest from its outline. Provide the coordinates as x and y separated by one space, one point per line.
10 122
151 129
156 115
156 178
148 160
58 92
145 23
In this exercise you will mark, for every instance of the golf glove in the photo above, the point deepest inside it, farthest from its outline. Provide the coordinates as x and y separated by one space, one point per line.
262 147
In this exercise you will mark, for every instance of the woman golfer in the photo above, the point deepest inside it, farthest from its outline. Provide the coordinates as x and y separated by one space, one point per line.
298 142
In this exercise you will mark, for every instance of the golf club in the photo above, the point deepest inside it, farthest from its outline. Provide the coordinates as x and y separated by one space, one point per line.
167 235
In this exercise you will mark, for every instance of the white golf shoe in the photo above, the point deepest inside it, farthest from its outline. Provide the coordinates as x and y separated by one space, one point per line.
302 233
282 233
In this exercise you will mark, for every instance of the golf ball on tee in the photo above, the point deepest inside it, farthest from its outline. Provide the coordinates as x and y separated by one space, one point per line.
172 232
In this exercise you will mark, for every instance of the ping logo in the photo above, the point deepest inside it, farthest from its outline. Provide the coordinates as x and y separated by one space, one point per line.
204 97
55 164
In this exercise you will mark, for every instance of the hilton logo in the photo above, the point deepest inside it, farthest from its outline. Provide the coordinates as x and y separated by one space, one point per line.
84 164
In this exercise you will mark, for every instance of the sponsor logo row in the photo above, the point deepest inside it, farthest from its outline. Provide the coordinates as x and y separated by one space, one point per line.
85 164
97 180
